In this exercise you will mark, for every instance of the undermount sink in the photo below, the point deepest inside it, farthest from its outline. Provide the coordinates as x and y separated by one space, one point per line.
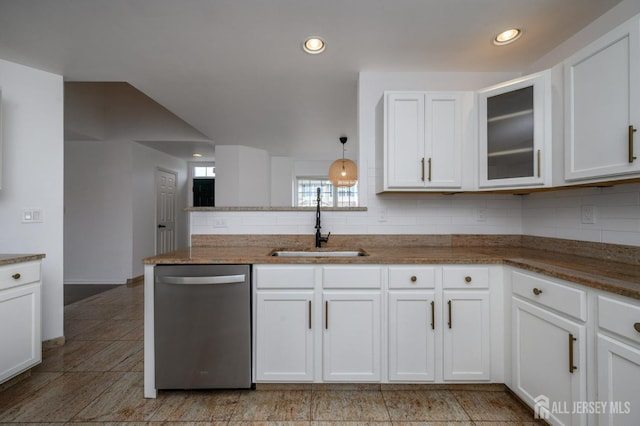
318 253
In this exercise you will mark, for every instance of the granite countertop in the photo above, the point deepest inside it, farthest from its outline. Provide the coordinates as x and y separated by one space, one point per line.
604 274
11 258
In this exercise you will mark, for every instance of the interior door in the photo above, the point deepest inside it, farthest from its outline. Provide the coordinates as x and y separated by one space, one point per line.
166 211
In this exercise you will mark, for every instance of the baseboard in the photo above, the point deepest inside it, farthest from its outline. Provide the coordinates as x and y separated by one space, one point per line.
54 343
132 282
73 282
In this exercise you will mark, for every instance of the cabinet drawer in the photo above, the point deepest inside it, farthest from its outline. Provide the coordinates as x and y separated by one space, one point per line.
19 274
619 317
412 277
351 277
561 297
285 276
465 277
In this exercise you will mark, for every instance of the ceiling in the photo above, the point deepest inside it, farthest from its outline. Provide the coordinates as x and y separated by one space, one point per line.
235 69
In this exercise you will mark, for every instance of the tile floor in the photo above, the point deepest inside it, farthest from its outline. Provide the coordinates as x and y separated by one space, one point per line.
97 378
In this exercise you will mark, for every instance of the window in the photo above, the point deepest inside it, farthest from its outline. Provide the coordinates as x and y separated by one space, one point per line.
307 193
204 171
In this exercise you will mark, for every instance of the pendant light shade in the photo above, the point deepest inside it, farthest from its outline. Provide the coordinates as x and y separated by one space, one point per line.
343 172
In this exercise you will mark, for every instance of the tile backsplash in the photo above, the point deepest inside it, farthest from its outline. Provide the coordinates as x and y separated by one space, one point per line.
603 215
614 211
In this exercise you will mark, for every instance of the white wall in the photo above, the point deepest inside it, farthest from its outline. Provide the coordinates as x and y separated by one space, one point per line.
32 133
109 180
282 178
98 206
243 176
146 161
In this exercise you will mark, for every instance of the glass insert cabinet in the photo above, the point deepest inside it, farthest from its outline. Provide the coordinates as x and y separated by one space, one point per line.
514 130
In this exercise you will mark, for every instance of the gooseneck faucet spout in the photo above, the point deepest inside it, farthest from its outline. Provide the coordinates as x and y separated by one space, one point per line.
319 238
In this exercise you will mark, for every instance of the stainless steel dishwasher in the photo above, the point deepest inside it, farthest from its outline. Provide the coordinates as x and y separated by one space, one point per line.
202 326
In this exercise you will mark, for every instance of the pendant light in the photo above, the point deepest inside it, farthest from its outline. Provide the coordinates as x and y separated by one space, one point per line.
343 172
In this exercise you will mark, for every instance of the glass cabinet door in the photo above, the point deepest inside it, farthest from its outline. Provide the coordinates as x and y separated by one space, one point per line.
514 129
510 134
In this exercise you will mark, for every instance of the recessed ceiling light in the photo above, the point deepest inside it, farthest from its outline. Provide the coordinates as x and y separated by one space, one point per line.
197 155
507 36
313 45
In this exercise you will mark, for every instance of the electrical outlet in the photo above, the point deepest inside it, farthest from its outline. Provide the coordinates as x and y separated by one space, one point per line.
588 214
382 217
481 215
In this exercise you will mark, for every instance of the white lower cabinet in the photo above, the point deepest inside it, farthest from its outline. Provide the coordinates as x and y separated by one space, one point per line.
439 323
20 328
466 335
549 348
285 335
412 336
618 360
311 317
351 336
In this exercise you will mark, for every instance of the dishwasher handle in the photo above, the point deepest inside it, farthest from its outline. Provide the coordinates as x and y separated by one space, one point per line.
219 279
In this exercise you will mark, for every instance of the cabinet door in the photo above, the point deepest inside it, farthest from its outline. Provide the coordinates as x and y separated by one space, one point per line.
405 126
549 368
515 132
443 143
602 97
466 324
351 336
19 330
412 336
618 379
284 336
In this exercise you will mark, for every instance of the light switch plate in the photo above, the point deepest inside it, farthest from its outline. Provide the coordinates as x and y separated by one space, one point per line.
31 215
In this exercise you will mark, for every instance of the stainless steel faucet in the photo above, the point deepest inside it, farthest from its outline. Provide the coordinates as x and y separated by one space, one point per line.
319 238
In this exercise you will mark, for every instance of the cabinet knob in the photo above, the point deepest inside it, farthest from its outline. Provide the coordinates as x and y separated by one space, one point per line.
537 291
467 279
15 276
637 326
414 278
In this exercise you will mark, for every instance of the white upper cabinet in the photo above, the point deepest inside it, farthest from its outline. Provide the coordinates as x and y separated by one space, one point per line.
602 106
423 141
514 133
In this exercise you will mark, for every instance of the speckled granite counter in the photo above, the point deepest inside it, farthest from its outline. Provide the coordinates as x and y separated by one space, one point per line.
10 258
607 267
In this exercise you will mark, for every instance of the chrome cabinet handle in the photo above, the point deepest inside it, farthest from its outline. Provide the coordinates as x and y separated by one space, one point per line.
449 323
632 157
433 315
309 314
537 291
429 169
218 279
16 276
422 169
572 367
